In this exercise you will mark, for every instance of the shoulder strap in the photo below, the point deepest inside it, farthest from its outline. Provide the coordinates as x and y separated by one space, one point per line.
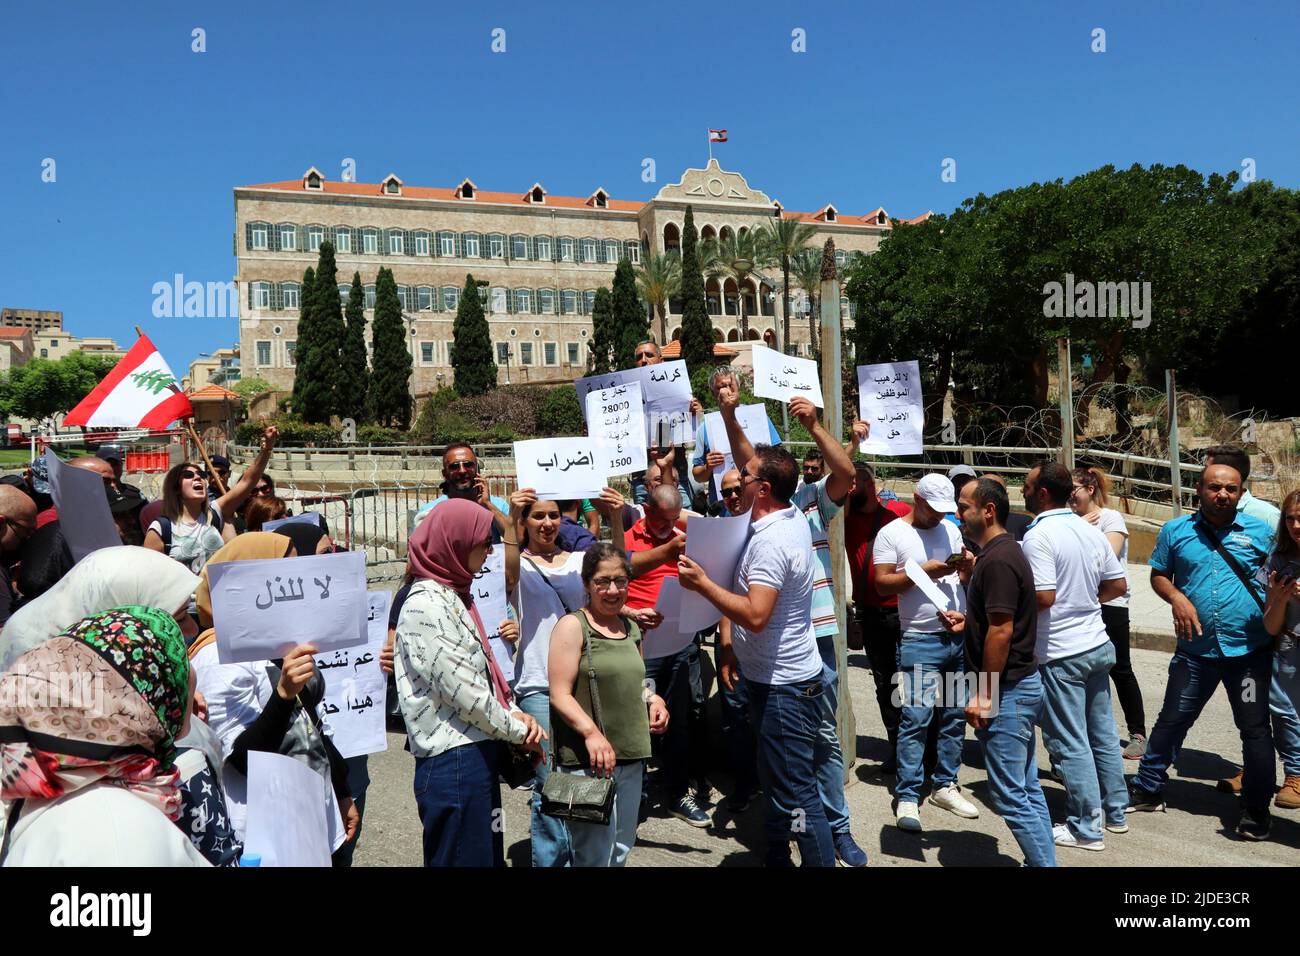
165 529
547 578
1234 564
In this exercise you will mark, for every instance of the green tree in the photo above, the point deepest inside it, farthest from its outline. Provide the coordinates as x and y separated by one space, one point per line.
43 388
249 388
806 268
330 332
658 279
354 380
390 379
312 397
630 323
737 256
603 334
471 344
697 328
782 240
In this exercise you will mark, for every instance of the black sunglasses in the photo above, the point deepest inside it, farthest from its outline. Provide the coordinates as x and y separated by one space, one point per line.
188 475
729 492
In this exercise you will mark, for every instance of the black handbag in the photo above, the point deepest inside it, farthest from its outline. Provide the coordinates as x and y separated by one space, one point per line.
578 797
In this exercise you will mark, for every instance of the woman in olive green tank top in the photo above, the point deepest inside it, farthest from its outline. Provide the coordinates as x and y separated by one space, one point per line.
618 743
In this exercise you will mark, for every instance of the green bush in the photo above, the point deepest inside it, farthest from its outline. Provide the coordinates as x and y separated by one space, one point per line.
378 435
560 413
294 433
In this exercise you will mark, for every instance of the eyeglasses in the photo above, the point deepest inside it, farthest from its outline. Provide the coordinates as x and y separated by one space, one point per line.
189 474
462 466
602 584
262 490
730 492
644 355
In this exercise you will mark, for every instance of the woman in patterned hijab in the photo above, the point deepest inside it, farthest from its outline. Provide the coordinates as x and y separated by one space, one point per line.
96 710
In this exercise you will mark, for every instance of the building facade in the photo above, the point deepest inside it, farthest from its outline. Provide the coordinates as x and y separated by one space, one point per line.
541 257
34 319
216 368
55 343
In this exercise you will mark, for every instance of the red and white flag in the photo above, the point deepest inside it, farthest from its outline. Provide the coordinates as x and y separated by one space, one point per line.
717 136
140 392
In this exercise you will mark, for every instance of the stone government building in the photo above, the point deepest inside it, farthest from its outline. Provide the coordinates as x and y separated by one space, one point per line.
542 256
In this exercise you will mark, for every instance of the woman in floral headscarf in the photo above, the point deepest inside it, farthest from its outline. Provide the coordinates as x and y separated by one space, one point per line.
89 721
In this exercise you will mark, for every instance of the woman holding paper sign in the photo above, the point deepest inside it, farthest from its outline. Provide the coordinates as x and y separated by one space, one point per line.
267 705
453 695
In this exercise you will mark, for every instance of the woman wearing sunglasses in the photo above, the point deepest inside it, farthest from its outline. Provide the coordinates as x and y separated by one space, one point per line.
192 528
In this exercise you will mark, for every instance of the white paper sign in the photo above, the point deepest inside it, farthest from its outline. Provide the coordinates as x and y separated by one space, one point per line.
665 389
490 600
715 544
784 377
288 811
307 517
561 468
926 584
356 688
889 398
678 422
616 419
263 609
668 638
82 503
753 422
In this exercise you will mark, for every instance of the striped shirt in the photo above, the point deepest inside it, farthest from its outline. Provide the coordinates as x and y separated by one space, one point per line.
819 509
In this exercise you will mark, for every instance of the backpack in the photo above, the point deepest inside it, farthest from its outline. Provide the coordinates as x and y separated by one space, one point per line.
165 524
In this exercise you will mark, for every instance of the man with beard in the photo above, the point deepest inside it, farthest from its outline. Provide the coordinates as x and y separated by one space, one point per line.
460 479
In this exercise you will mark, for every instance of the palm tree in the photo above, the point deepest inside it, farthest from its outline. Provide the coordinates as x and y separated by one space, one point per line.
658 279
806 268
735 256
785 239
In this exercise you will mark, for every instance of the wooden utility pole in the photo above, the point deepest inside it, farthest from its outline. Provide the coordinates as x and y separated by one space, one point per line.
833 420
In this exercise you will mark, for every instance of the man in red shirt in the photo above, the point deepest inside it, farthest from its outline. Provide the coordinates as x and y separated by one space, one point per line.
667 655
865 515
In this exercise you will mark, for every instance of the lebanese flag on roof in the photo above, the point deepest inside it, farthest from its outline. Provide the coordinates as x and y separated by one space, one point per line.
717 136
140 392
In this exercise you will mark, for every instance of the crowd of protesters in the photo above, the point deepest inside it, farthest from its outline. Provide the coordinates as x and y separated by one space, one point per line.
969 614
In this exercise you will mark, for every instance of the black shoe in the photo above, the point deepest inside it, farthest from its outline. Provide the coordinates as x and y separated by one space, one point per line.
889 767
740 801
1251 828
1141 800
688 811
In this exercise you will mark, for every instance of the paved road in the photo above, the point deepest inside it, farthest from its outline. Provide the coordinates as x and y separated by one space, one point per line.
1196 831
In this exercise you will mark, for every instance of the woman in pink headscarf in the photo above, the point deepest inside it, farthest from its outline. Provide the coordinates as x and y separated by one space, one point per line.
453 696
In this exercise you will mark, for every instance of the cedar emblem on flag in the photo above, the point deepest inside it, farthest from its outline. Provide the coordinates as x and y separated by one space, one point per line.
140 392
717 136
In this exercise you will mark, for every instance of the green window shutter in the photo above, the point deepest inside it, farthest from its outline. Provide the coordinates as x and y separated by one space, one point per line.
460 245
250 297
248 235
272 237
275 297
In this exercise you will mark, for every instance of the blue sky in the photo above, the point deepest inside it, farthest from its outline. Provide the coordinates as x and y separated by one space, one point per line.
150 138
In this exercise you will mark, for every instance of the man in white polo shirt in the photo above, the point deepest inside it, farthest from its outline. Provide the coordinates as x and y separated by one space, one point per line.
1075 571
773 638
931 660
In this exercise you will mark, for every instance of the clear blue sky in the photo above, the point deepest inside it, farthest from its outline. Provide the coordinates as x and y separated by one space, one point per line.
150 138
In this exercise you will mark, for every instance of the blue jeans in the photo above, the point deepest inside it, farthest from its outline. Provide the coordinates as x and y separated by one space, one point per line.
609 845
1192 682
1286 724
459 801
1012 767
672 681
549 836
930 666
788 719
1080 734
830 764
738 736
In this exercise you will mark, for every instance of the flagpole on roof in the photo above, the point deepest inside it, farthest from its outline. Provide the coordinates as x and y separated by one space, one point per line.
709 137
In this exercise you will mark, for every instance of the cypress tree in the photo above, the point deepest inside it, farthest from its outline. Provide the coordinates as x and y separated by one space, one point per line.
471 344
390 379
328 335
355 378
603 340
306 396
631 324
697 327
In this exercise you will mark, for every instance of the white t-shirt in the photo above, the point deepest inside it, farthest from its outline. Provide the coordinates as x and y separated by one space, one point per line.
779 555
537 609
100 825
1072 558
1108 519
899 541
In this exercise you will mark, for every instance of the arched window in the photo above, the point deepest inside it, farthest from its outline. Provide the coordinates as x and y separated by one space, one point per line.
343 241
370 297
472 244
542 248
289 295
315 236
257 236
588 251
450 298
518 246
565 247
396 242
672 237
546 301
569 302
614 250
288 236
370 241
524 300
424 298
421 242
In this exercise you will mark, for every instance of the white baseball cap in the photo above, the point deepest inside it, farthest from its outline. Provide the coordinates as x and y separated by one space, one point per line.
936 491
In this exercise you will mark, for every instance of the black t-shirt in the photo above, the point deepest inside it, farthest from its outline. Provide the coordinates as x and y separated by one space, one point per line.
1002 581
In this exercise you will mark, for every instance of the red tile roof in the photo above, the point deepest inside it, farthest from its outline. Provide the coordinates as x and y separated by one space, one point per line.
214 393
673 350
7 333
518 199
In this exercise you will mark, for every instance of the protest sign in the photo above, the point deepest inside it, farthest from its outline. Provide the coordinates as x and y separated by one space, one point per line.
616 419
668 638
753 422
784 377
666 391
889 398
82 501
562 468
489 589
263 609
307 517
288 812
715 544
356 688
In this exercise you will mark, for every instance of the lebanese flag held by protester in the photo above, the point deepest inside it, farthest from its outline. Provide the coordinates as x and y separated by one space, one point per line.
140 392
717 136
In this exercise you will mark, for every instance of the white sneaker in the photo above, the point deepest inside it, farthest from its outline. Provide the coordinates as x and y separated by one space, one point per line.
950 798
1120 827
1062 836
907 817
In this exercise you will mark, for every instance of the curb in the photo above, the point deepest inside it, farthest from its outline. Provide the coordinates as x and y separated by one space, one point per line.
1152 640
